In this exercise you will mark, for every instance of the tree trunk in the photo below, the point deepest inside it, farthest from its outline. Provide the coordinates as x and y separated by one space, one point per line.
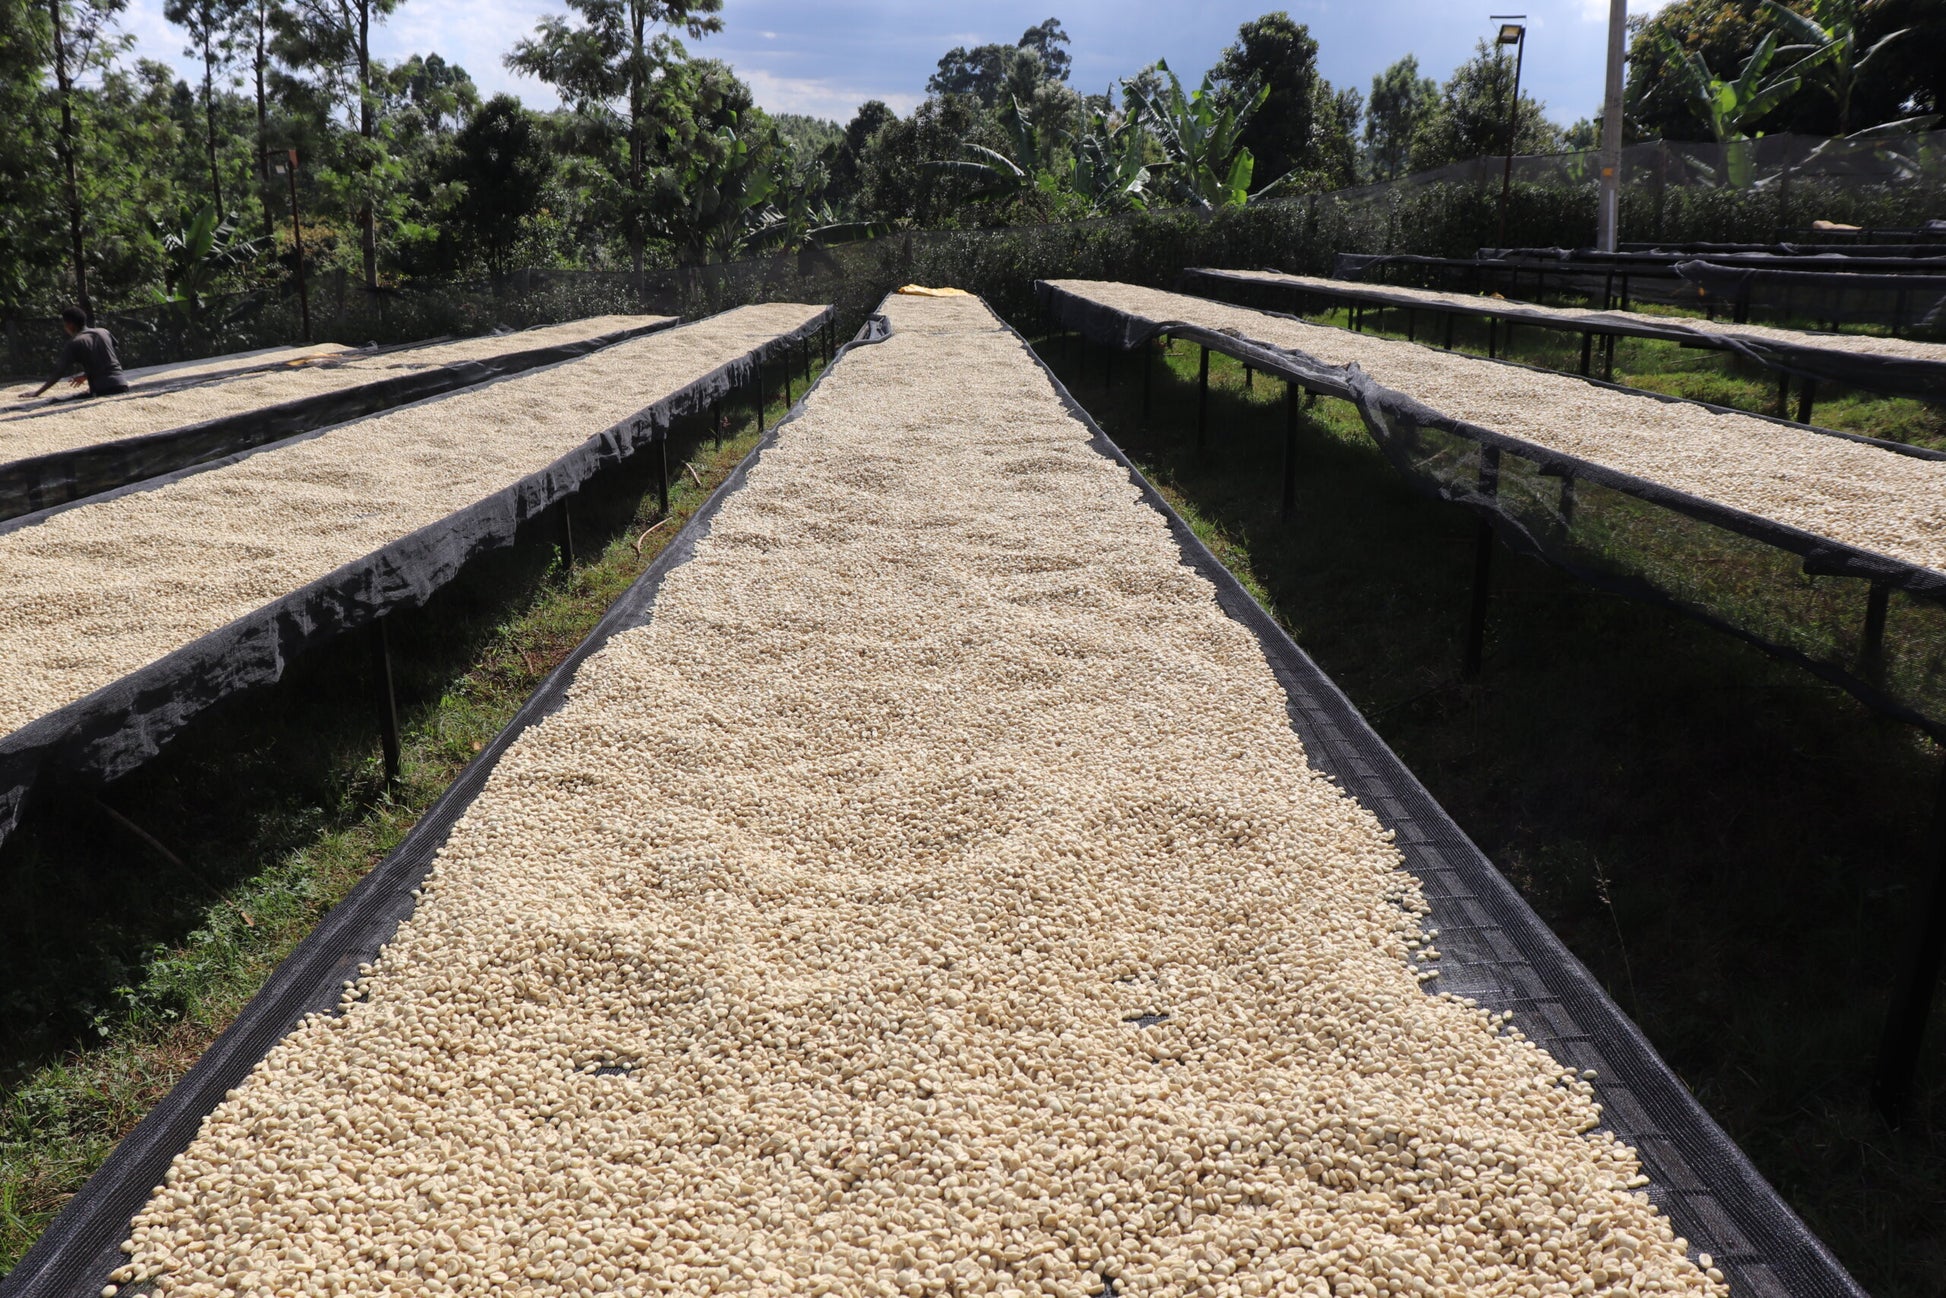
636 73
368 131
64 86
263 116
209 117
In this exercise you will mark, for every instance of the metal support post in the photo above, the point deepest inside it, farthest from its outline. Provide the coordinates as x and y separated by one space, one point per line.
1249 379
1871 649
567 532
1608 357
1912 995
1449 330
384 698
662 471
1567 503
1202 400
1493 338
807 362
716 421
1411 325
1148 377
1784 395
1289 504
758 379
1476 614
1587 352
1806 396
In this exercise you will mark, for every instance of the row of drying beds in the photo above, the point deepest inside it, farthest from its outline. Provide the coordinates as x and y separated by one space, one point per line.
937 874
126 612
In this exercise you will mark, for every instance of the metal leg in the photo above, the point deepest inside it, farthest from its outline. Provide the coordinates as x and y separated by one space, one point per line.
567 533
1476 614
1587 352
1202 400
662 471
807 362
384 699
1567 503
716 422
1289 504
1411 325
1912 996
1608 358
1871 649
1249 378
1449 330
1148 377
1493 338
759 379
1784 395
1806 395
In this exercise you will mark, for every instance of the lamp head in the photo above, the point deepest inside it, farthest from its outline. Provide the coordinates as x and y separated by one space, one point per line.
1510 34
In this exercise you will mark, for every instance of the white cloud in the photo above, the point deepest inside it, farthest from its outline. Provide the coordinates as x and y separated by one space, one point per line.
817 96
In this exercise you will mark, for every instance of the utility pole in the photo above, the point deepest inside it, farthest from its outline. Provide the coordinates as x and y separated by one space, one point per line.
288 165
1513 31
1609 219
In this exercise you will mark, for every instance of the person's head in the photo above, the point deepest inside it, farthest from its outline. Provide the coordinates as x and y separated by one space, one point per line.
74 320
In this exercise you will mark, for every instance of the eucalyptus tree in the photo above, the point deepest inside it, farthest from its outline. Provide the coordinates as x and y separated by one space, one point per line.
81 40
211 26
334 39
611 62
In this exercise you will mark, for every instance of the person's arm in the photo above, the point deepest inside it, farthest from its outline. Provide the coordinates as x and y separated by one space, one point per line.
60 366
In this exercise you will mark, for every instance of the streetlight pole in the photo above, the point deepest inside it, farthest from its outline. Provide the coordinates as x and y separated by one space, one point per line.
1513 31
288 166
1608 220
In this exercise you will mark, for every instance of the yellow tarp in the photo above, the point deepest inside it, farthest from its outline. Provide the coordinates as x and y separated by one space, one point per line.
920 290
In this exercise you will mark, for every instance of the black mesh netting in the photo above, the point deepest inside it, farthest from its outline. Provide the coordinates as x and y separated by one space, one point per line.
42 482
118 727
1819 358
1494 949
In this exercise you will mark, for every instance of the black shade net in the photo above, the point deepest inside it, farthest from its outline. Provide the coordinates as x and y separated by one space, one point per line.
42 482
118 727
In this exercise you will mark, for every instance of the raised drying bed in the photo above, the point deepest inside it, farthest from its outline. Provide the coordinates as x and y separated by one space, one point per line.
121 617
149 378
932 876
1901 366
56 453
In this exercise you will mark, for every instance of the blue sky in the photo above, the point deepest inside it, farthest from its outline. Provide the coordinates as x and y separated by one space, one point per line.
828 57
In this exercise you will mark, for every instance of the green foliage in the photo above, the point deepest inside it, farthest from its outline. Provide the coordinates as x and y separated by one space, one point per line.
1401 102
1474 112
1279 58
197 255
503 164
1831 53
1201 134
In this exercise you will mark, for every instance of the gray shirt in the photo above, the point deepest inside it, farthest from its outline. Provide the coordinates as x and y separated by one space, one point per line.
94 351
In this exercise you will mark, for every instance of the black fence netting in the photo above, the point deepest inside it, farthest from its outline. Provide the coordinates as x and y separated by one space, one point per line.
1874 625
116 728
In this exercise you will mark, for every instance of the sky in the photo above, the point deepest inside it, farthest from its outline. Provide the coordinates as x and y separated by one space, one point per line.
826 58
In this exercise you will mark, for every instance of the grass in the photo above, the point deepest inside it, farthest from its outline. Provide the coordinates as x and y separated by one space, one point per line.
1732 846
118 966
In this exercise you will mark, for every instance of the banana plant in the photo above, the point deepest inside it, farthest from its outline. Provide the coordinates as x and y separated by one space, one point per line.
197 255
709 204
1827 54
995 175
1109 169
1731 108
1200 133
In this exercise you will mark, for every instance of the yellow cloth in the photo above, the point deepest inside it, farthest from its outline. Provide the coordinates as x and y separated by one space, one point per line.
920 290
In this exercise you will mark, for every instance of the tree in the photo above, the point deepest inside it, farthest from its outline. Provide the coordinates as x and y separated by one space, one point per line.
1401 102
1201 135
79 40
1275 54
437 94
1471 117
1731 109
501 158
33 201
1335 115
211 26
617 54
845 176
1046 40
1832 52
891 184
334 37
256 21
